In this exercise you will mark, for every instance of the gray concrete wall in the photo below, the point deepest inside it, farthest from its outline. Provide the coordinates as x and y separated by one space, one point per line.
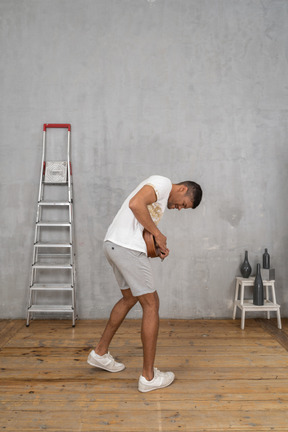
189 89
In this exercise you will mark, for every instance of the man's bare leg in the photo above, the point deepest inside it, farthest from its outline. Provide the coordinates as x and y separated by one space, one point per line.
117 316
149 331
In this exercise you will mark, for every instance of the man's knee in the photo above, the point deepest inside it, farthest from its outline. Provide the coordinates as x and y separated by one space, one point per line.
131 301
128 298
150 300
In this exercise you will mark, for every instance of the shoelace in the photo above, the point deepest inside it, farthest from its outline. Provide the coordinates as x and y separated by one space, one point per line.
111 358
158 373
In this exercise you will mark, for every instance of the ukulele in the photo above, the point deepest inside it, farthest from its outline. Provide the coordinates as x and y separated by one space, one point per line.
152 248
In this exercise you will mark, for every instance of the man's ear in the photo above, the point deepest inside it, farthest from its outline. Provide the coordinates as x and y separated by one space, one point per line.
183 189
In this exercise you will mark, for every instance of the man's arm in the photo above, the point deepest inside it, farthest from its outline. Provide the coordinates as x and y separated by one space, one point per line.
138 205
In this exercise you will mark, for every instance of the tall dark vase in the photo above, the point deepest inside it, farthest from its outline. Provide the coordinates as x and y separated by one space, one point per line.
245 267
266 260
258 290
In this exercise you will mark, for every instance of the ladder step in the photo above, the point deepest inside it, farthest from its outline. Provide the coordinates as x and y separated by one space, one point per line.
51 308
53 245
38 265
46 183
54 256
54 203
51 287
54 224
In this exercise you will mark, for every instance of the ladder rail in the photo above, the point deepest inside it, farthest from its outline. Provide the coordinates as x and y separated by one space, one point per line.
42 173
69 168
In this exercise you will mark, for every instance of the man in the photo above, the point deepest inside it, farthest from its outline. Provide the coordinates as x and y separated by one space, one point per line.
125 250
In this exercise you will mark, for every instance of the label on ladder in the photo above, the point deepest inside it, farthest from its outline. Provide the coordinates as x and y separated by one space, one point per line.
56 172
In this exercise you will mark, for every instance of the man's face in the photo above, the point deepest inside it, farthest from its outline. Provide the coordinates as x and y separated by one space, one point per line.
179 200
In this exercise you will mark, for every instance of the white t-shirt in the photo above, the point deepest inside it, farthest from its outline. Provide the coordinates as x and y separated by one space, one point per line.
125 229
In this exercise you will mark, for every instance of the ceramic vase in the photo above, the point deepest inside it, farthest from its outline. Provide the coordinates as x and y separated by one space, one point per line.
266 260
245 267
258 289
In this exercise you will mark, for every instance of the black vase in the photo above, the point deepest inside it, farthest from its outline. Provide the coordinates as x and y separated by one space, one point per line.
258 290
266 260
245 267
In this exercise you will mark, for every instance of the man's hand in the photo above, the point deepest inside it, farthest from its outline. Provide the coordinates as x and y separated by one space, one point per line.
161 242
164 255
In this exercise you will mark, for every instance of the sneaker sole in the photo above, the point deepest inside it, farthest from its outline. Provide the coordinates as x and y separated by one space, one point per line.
105 368
156 388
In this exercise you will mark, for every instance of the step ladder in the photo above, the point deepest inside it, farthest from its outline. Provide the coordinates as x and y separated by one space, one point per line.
53 275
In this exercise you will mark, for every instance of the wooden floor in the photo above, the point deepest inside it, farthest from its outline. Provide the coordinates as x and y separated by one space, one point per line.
227 379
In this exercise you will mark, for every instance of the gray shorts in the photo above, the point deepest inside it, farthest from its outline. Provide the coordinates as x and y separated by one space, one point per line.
132 268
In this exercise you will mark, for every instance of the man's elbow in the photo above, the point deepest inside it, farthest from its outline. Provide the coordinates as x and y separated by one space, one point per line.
134 204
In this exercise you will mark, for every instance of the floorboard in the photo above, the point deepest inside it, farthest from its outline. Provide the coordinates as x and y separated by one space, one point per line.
227 379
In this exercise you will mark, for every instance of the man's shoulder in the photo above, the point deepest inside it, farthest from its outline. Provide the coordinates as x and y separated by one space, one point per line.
158 179
161 185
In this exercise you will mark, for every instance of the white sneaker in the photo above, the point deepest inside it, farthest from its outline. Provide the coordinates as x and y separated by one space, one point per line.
106 362
160 380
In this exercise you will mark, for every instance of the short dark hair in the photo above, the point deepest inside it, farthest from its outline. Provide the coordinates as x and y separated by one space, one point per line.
194 192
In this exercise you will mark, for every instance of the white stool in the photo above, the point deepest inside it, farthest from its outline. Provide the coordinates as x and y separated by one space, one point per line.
247 305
